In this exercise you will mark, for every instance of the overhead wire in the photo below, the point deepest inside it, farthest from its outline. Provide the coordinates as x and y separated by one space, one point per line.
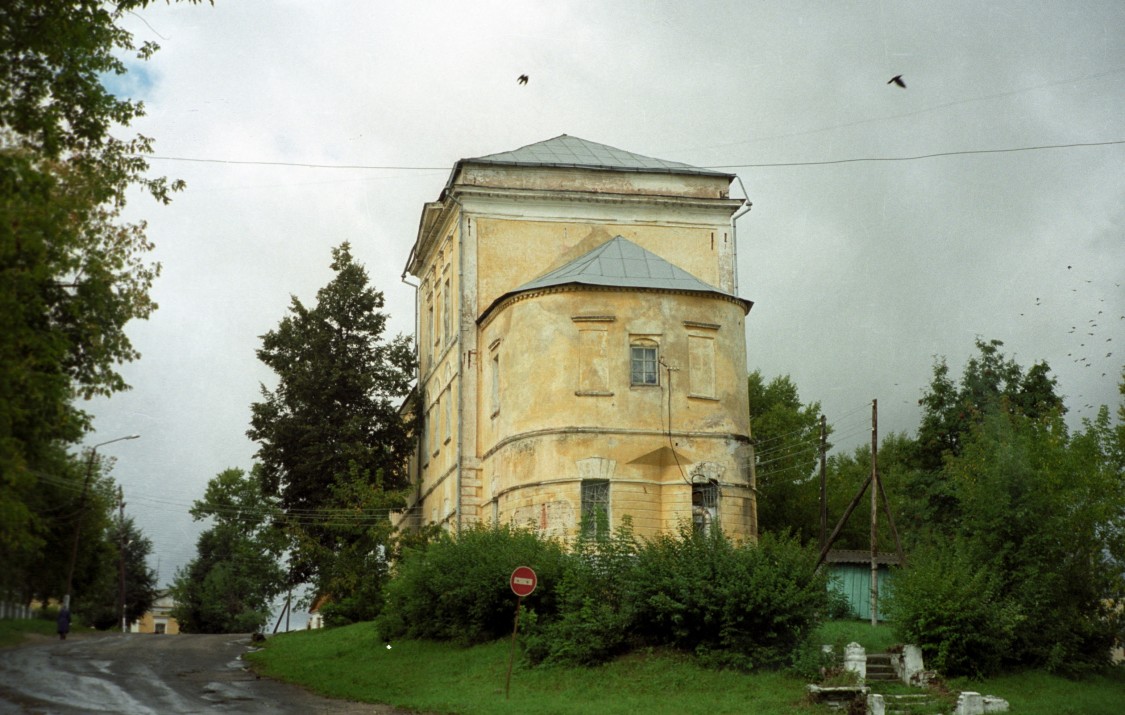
759 165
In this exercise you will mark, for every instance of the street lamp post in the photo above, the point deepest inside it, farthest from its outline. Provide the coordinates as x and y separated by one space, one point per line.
82 512
121 552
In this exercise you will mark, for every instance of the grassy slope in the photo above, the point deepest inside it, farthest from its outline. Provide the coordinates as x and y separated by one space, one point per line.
13 632
352 663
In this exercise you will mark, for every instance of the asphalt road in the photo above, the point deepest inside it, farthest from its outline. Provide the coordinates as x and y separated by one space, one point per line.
140 674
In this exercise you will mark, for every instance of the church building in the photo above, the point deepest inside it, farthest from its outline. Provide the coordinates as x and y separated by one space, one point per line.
581 346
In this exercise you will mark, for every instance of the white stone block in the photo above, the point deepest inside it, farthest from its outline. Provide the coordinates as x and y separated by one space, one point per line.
875 705
855 660
969 703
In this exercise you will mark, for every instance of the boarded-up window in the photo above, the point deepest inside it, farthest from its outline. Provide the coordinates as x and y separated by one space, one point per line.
701 361
593 372
447 314
495 384
448 416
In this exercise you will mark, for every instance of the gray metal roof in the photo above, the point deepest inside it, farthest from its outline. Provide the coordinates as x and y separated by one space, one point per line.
568 151
621 263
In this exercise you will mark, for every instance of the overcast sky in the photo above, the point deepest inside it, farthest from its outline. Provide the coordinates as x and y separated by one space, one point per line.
862 272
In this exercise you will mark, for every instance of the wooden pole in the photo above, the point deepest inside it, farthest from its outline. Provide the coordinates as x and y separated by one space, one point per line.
891 523
874 512
284 611
121 553
843 520
823 481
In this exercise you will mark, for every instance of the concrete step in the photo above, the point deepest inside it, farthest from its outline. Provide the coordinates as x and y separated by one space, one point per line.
913 705
879 667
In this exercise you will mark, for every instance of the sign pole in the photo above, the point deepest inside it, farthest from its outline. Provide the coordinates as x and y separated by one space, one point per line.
522 581
512 654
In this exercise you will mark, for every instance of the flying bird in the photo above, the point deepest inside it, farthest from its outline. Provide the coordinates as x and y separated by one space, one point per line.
897 79
522 79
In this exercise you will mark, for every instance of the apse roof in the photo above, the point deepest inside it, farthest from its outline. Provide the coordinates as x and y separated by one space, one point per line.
620 263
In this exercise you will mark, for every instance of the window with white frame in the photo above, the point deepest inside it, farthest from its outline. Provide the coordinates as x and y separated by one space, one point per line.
643 362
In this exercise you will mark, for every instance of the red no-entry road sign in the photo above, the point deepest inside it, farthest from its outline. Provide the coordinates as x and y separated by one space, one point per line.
523 581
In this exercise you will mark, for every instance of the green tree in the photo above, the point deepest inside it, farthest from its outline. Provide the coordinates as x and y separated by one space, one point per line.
101 606
1038 516
72 273
787 447
58 509
229 585
991 381
334 442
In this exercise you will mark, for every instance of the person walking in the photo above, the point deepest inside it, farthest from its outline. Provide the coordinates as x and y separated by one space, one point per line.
63 622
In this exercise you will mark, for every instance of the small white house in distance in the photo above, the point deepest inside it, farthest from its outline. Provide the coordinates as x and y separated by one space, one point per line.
158 619
316 620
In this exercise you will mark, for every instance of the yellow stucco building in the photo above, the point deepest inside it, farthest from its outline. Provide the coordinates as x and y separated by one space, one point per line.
581 345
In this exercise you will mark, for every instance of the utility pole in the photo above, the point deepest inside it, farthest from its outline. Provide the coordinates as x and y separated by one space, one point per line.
823 481
90 462
874 512
121 551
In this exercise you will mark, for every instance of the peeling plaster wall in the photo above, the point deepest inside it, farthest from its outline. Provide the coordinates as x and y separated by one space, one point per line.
539 387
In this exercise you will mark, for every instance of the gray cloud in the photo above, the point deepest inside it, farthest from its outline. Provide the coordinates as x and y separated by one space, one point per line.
861 273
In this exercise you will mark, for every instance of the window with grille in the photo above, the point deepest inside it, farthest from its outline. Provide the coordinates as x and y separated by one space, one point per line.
704 506
595 507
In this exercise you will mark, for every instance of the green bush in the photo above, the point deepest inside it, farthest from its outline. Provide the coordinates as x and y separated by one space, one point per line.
596 606
740 606
457 588
731 605
954 610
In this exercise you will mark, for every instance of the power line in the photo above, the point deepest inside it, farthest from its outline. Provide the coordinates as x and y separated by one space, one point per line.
903 115
827 162
965 152
300 165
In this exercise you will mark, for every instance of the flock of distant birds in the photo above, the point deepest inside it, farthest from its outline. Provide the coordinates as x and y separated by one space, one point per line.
1088 335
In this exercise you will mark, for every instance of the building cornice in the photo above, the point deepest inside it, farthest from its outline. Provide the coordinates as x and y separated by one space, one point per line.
524 197
504 302
576 430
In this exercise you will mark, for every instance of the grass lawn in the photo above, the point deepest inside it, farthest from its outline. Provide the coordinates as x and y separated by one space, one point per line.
352 663
874 639
13 631
1037 693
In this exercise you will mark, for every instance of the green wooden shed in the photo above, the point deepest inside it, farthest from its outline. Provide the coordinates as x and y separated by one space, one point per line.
849 573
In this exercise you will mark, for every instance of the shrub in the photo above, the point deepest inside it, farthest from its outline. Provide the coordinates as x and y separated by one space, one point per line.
457 588
596 607
954 610
731 605
741 606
